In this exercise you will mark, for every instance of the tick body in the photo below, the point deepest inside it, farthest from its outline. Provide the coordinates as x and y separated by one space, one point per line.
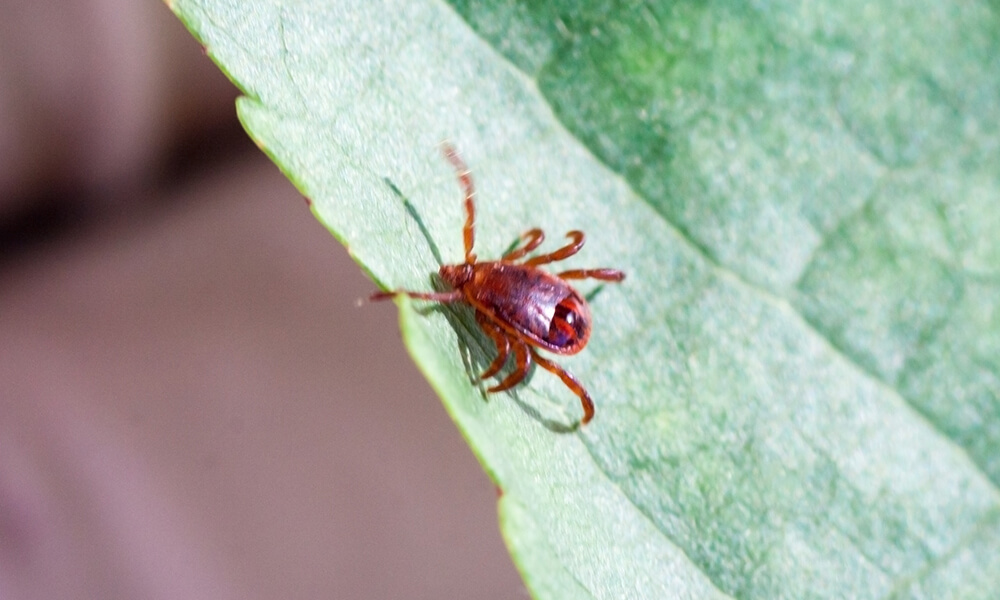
518 305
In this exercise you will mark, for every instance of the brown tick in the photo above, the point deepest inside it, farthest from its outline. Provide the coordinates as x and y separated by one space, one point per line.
519 306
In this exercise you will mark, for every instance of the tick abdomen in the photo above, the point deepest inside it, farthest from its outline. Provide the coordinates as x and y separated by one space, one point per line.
531 302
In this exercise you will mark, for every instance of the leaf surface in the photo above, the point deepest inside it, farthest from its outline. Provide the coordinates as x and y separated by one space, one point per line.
797 385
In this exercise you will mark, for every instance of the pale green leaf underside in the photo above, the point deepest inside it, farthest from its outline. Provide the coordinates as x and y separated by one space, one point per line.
797 384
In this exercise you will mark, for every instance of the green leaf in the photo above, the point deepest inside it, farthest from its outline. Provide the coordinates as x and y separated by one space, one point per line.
797 385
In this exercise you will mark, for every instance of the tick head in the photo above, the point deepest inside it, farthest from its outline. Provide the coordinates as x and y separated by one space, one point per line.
456 275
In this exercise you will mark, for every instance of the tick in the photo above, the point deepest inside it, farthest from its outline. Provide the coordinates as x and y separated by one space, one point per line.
519 306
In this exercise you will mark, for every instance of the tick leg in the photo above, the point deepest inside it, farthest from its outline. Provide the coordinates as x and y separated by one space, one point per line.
503 346
571 383
523 360
602 274
452 296
533 238
465 178
565 252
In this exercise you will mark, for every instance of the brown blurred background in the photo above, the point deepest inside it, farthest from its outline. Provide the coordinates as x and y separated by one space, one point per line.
192 405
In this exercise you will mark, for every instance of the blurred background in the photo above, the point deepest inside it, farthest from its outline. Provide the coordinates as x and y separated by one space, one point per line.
192 403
